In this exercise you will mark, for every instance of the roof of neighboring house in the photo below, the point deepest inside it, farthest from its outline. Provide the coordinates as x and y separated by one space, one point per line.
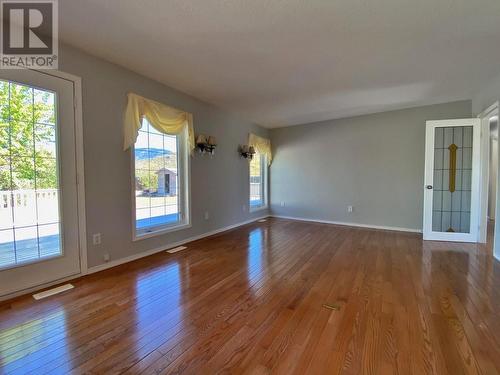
167 171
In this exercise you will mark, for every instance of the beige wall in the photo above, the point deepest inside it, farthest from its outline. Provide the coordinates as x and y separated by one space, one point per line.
374 163
219 185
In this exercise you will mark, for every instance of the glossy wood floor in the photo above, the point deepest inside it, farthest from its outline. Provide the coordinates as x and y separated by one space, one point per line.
251 301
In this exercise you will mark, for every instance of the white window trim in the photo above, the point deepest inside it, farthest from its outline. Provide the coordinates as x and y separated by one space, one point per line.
265 179
184 186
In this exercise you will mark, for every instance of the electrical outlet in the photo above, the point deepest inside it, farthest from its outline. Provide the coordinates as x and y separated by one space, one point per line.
244 207
350 209
105 257
96 239
207 215
282 204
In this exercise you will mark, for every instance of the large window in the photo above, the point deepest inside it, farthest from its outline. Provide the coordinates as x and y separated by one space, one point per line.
258 182
160 181
29 180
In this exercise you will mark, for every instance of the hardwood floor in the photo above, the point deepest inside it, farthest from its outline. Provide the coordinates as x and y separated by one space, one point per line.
251 301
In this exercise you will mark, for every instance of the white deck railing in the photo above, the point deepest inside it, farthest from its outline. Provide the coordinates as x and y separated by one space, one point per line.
24 208
27 198
254 189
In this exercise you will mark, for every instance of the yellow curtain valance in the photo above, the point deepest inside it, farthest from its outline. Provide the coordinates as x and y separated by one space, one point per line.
163 118
261 145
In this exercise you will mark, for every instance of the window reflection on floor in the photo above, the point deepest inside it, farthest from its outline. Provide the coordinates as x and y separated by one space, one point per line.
45 337
255 254
157 291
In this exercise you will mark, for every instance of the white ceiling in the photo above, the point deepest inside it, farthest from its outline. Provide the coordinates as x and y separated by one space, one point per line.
286 62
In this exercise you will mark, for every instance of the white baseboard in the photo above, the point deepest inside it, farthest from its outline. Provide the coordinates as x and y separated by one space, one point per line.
131 258
369 226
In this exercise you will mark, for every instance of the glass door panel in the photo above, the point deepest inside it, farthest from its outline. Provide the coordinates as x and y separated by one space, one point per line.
29 187
452 179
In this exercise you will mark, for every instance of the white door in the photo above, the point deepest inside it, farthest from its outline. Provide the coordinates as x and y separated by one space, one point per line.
451 198
39 235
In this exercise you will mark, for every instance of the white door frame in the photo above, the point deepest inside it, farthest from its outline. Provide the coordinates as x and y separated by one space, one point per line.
79 150
485 116
80 165
429 177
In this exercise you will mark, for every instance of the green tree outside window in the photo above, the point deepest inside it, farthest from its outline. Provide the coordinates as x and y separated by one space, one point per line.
27 138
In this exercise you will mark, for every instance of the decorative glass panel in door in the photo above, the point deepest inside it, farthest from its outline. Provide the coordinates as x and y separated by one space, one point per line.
451 180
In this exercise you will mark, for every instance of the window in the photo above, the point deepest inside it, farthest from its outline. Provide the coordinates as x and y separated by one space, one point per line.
160 182
29 179
258 182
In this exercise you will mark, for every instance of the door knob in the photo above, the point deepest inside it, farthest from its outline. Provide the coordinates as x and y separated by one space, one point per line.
429 187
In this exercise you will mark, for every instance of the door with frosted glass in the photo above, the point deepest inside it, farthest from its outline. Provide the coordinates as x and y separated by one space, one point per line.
451 189
38 185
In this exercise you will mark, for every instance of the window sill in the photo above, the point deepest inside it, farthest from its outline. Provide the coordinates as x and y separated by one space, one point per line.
258 208
159 231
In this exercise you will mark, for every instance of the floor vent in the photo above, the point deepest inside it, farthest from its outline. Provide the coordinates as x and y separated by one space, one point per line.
176 249
53 291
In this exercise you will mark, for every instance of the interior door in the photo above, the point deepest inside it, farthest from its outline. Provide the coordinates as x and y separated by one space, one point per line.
451 189
39 238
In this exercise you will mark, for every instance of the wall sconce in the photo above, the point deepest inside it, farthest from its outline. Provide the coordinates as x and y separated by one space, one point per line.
206 145
246 151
